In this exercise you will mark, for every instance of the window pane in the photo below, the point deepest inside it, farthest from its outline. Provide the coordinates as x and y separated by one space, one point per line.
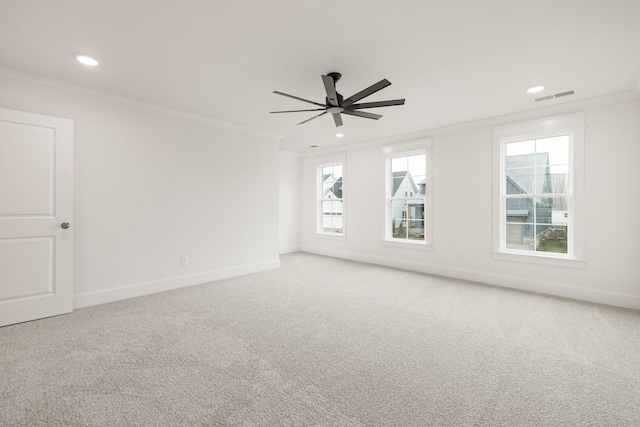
399 164
553 239
556 149
520 181
543 210
415 229
399 229
328 180
417 165
398 184
560 211
521 147
421 183
543 180
331 187
399 216
415 219
559 182
332 216
520 236
520 209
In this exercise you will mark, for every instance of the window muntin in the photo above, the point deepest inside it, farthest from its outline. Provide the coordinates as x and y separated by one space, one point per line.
331 209
406 198
536 196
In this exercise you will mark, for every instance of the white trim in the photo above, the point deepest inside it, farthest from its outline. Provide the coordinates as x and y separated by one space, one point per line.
408 148
512 282
406 244
540 259
289 249
542 127
141 289
82 92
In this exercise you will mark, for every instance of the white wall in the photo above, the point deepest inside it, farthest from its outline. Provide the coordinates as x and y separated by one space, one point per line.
462 212
150 188
289 202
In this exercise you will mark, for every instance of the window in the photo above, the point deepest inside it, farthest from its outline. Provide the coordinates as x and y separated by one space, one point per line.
540 188
330 203
407 210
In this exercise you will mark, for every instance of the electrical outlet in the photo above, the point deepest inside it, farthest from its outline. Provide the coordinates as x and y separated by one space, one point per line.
184 260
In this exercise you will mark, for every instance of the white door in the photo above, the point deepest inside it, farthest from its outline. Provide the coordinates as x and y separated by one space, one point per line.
36 198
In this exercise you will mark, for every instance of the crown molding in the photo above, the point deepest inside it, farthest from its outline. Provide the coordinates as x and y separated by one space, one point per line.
83 92
495 121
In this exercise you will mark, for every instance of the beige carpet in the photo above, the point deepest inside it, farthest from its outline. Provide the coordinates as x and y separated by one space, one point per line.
323 341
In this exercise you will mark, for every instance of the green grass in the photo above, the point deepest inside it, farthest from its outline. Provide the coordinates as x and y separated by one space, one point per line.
549 245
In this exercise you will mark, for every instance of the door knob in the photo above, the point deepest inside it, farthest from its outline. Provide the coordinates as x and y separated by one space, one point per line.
64 225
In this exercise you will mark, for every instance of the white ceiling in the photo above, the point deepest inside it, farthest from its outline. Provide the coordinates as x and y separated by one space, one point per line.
454 61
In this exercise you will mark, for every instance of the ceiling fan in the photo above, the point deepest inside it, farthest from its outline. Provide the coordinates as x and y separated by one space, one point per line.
336 104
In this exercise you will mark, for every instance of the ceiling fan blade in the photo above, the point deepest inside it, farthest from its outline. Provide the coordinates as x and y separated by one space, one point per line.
364 93
379 104
299 99
362 114
337 119
330 88
312 118
295 111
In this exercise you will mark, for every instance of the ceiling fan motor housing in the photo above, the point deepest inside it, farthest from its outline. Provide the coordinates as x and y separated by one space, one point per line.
335 76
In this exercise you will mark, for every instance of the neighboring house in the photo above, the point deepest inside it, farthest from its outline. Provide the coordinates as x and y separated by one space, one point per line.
331 210
559 184
405 186
521 179
333 187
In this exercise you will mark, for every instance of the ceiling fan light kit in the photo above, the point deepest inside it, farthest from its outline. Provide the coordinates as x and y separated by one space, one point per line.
335 104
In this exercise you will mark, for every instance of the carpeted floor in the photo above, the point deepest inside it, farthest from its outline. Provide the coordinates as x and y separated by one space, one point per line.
324 341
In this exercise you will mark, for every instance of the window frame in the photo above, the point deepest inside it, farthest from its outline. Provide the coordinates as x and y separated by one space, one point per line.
573 126
326 161
411 148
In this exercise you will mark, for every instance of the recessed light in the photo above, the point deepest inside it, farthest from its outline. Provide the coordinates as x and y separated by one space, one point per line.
535 89
87 60
339 135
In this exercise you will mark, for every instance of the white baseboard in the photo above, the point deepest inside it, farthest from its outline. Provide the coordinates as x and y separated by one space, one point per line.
521 283
289 249
110 295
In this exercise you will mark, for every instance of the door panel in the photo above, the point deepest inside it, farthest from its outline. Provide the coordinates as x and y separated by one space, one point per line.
26 157
36 196
27 263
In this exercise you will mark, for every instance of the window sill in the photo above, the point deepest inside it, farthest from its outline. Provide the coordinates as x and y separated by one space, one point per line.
332 236
540 259
420 246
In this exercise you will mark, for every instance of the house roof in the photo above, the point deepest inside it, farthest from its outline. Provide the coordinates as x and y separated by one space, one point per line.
337 188
397 181
520 169
218 63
